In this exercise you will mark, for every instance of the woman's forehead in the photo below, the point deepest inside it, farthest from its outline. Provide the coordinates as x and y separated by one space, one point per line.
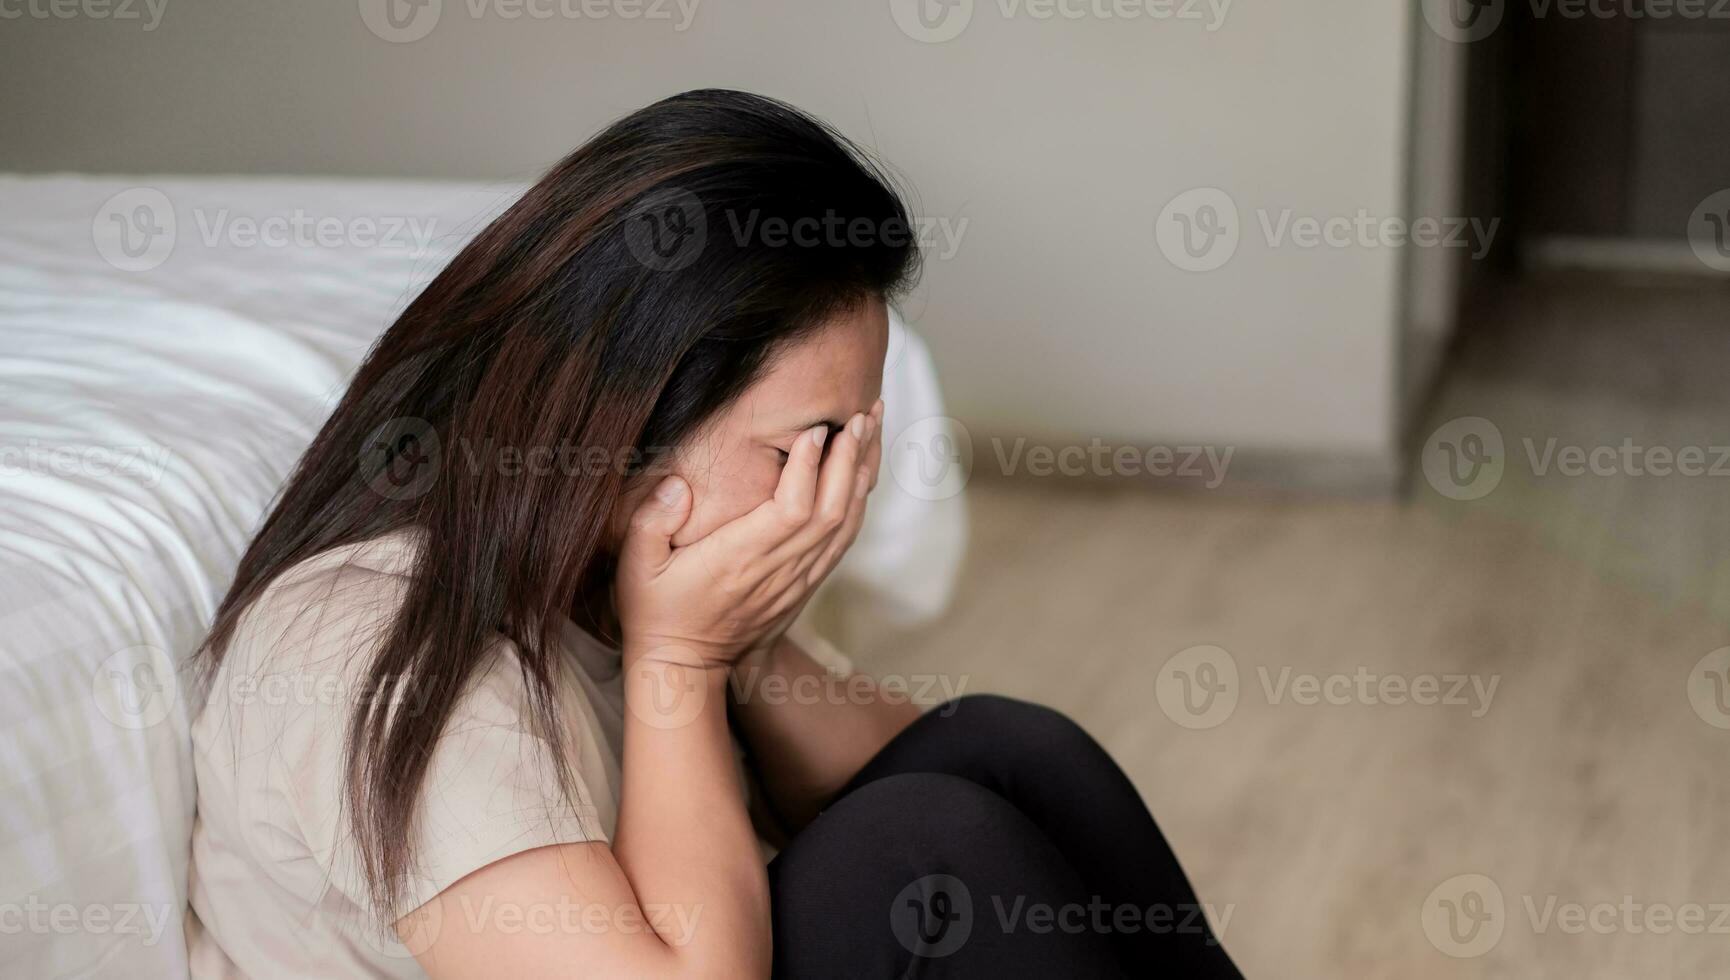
824 377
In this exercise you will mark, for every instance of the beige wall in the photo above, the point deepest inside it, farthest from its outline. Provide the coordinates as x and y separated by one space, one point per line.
1058 141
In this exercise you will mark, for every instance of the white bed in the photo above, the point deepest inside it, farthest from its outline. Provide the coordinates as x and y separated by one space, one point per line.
167 347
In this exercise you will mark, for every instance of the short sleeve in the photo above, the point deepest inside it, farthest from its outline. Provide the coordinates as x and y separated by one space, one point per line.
491 789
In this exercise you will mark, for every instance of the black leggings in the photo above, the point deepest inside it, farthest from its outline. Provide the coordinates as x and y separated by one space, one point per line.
992 838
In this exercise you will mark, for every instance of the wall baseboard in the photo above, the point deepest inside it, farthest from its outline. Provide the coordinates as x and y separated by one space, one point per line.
1617 254
1188 467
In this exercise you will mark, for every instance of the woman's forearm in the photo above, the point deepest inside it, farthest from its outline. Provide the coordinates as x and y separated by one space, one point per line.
809 731
683 838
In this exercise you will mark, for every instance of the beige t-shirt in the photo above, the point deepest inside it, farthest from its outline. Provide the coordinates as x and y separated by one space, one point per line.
276 887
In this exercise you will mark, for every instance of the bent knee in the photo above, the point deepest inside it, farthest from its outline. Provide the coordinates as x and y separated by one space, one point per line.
927 812
929 798
1016 725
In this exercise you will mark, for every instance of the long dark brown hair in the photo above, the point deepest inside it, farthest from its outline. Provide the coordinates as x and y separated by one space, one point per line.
638 287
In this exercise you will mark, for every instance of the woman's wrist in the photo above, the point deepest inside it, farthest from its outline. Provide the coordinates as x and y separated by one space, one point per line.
764 658
667 692
679 652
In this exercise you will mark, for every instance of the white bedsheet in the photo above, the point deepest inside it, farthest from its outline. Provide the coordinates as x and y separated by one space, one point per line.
153 400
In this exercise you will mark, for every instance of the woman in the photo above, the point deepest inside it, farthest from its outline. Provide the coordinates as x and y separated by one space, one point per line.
482 689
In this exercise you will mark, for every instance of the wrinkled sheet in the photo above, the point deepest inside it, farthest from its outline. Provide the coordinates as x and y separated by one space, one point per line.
167 348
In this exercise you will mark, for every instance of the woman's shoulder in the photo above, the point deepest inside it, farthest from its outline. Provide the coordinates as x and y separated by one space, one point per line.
271 742
301 661
334 604
301 654
317 627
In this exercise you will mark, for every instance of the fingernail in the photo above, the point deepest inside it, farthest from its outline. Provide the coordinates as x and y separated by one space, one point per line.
856 425
671 490
877 409
819 433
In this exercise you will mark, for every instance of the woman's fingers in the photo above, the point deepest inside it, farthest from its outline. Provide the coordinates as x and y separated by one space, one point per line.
834 492
783 515
874 455
823 558
864 479
798 485
844 536
815 503
649 539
